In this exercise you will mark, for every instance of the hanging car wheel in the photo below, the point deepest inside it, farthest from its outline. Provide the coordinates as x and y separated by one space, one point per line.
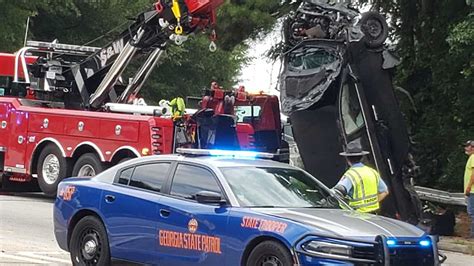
87 165
89 244
375 29
270 253
52 167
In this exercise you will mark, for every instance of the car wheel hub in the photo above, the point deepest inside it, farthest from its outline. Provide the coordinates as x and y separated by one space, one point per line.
90 247
374 28
270 260
50 169
86 170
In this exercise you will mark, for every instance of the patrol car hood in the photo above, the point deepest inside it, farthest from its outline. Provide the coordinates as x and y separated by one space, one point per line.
344 223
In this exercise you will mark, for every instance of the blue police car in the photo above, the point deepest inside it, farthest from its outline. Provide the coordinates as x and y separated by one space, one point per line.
224 208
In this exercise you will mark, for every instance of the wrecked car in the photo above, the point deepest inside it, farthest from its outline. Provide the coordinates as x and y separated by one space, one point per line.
336 87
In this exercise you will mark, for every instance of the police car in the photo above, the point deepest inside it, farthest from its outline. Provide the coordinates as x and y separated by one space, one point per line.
212 207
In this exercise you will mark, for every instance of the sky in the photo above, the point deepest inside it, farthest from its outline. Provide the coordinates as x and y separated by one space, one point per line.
261 74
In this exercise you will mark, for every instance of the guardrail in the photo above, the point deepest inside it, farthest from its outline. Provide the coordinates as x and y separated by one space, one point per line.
440 196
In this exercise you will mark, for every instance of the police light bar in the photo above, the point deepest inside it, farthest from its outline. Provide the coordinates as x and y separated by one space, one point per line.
228 153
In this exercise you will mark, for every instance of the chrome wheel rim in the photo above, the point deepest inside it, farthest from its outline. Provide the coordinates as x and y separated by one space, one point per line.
50 169
86 170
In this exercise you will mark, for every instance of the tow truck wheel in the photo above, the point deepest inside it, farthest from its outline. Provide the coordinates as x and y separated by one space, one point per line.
124 160
269 253
52 167
87 165
89 244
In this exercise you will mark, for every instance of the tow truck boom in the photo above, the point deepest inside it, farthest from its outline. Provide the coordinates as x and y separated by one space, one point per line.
90 82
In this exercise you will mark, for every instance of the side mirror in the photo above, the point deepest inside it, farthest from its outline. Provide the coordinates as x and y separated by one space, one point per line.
209 197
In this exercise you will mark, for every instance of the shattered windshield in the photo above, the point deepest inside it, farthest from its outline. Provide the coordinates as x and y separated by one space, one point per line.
277 187
310 58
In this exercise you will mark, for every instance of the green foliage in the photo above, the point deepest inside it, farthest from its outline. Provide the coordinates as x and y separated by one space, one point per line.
83 21
188 69
239 20
461 40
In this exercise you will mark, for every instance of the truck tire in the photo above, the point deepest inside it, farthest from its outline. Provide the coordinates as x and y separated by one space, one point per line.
375 29
89 244
87 165
52 167
124 160
271 253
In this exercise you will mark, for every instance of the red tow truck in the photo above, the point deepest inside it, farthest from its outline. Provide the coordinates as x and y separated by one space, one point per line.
64 110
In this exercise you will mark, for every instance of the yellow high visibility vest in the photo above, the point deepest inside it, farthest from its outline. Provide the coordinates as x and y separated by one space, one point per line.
365 182
177 106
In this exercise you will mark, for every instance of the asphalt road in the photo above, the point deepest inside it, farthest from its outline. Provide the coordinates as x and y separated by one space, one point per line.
27 238
26 231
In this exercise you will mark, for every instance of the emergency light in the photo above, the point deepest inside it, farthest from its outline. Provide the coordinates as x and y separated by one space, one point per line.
425 243
391 242
227 153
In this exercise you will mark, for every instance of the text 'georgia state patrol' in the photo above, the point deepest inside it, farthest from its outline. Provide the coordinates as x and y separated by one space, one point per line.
190 241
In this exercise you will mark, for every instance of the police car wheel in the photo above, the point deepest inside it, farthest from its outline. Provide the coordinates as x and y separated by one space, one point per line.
52 167
89 244
269 253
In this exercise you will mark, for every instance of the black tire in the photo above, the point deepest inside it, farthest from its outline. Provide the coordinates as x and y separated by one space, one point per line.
50 158
87 165
89 230
375 29
270 252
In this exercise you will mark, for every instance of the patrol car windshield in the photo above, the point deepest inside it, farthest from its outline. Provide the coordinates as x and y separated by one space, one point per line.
277 187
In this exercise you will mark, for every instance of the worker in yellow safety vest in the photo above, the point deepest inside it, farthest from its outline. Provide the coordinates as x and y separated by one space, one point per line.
360 183
177 107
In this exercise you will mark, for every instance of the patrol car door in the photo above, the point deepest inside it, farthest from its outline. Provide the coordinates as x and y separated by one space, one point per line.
130 210
190 232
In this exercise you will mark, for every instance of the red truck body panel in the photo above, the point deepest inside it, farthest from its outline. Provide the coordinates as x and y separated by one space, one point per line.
7 65
27 127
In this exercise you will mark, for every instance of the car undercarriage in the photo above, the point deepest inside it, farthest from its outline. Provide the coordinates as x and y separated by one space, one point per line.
337 87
